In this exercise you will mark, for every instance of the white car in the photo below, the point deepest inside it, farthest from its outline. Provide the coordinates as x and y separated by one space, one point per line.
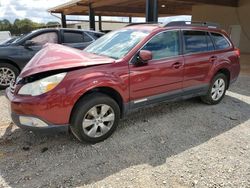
4 35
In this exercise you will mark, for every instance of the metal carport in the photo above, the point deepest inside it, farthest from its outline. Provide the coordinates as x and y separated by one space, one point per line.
150 9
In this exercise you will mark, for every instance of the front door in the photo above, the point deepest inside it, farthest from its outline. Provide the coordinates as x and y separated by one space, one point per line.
160 78
25 53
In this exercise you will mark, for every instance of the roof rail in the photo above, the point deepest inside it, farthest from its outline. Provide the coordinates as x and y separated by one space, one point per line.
141 23
192 23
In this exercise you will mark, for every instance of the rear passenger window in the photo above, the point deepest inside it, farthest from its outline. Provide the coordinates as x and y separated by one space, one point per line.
76 37
164 45
220 41
197 41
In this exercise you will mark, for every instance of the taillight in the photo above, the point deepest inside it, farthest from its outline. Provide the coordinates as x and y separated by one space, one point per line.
237 51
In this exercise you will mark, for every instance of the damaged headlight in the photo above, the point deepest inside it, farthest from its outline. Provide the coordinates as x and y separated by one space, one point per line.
41 86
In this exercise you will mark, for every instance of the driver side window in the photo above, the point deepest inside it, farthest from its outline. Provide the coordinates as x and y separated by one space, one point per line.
49 37
164 45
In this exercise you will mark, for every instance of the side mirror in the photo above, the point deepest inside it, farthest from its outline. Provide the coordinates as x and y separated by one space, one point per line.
29 43
144 56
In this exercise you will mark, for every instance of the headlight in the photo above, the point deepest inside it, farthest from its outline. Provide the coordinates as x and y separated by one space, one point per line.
41 86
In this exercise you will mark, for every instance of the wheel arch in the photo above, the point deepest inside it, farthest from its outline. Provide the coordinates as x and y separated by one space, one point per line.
109 91
10 62
226 72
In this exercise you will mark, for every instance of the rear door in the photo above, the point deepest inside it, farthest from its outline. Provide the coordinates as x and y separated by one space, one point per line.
76 39
225 51
199 58
161 78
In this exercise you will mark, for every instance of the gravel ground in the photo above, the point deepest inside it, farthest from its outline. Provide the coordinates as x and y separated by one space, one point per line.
182 144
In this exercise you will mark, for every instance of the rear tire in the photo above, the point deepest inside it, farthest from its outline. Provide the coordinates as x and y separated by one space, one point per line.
8 73
216 90
94 118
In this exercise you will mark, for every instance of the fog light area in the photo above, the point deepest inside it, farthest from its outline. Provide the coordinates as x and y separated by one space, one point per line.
31 121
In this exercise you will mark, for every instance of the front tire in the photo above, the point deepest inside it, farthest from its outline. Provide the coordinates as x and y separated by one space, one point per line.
94 118
216 90
8 74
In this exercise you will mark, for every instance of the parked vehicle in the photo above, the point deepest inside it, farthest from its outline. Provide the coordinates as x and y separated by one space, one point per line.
15 55
8 41
4 35
124 70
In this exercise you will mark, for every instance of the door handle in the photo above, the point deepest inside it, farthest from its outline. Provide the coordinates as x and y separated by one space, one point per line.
212 59
177 65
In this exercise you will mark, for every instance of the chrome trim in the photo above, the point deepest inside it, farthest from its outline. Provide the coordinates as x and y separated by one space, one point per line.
140 100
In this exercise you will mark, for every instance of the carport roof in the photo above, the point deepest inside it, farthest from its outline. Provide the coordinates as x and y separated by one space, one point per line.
134 8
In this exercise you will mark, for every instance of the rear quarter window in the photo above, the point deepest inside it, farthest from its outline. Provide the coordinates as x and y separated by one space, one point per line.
220 41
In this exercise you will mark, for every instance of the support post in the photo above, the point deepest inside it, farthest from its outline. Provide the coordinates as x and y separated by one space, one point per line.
91 18
100 23
130 19
155 11
151 10
63 20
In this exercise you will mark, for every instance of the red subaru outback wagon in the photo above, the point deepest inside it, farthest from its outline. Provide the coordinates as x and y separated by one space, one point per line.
143 64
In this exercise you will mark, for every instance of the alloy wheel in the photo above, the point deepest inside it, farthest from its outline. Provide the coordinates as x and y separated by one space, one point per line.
6 76
218 89
98 120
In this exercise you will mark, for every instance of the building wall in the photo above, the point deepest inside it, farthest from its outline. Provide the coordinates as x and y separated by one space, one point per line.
105 25
226 17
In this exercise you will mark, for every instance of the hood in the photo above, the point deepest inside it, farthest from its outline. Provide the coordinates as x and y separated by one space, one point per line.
56 57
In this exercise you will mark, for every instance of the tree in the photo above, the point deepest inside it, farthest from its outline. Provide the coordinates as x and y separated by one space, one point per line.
19 26
5 25
52 23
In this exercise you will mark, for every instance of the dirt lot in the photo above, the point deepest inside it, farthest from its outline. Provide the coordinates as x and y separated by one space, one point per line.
182 144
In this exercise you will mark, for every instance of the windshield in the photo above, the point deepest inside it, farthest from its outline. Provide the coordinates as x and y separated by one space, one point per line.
117 44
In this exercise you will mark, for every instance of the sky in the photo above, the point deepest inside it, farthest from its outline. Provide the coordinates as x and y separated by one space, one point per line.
36 10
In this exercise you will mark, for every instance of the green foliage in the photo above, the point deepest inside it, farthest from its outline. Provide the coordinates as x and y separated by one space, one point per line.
53 23
19 26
